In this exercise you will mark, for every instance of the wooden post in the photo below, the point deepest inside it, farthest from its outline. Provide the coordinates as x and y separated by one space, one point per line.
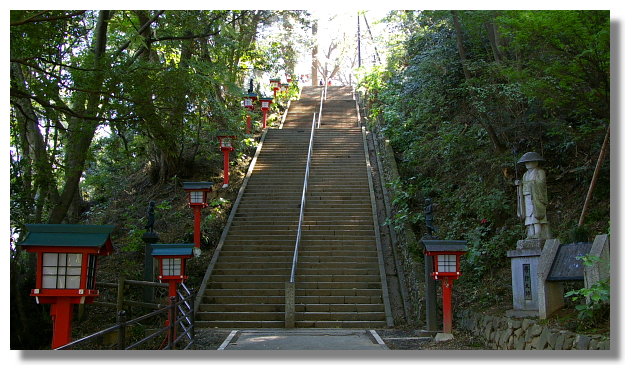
595 176
197 226
172 323
62 315
121 322
431 295
447 305
225 168
120 291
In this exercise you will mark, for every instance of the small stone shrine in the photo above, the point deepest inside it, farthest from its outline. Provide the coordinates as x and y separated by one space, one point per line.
559 263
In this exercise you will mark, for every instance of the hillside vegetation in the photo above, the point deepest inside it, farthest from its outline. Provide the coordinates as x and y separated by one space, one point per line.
463 95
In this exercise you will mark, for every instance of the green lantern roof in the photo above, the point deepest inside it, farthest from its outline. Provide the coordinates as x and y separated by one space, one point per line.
444 245
197 185
68 235
185 249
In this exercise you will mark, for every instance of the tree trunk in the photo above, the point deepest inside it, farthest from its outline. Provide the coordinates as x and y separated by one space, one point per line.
492 36
460 44
314 55
81 131
35 147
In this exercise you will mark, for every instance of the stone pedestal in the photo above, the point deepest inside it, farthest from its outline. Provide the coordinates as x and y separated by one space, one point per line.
524 263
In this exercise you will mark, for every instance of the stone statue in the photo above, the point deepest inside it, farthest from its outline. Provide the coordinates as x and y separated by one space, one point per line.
150 213
428 211
532 197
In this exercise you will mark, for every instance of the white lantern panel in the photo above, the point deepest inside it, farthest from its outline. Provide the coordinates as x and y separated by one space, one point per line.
226 142
49 282
247 102
447 263
72 282
265 104
74 260
49 259
171 267
196 196
61 270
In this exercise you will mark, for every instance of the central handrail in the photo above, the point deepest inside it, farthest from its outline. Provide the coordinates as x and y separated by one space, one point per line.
322 99
303 202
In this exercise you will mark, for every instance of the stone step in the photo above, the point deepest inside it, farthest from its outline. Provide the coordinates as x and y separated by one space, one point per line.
338 292
238 324
265 293
306 275
254 307
340 316
270 265
307 300
337 278
340 324
252 272
242 285
310 286
339 307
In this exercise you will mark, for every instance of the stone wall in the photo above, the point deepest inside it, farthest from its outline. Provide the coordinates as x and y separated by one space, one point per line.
526 334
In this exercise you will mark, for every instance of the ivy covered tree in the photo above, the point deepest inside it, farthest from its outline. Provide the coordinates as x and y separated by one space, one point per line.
98 97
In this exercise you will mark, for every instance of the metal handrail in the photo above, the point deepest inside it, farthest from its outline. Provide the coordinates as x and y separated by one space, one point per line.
322 99
303 202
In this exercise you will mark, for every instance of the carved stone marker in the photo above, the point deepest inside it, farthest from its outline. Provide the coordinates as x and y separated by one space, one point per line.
524 263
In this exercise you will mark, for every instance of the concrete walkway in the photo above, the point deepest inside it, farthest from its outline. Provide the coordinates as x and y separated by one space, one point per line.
303 339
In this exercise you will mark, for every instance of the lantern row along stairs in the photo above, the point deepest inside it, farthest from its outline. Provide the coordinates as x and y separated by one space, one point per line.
339 276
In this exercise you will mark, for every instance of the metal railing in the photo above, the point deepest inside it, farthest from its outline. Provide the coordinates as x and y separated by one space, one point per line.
289 310
322 99
302 203
180 315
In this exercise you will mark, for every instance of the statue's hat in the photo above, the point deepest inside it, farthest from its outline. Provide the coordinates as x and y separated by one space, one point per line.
530 156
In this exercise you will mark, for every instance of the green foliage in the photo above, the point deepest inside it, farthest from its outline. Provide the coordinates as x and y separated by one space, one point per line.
537 81
594 302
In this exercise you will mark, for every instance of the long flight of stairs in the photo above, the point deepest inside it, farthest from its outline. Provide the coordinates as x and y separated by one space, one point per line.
339 282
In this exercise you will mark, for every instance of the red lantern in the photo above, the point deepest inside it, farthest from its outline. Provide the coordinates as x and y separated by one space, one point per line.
275 85
66 268
447 268
226 147
171 260
264 106
197 198
248 103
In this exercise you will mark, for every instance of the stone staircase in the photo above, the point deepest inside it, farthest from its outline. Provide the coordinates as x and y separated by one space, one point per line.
338 279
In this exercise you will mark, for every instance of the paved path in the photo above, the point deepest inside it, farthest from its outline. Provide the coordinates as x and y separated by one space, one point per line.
303 339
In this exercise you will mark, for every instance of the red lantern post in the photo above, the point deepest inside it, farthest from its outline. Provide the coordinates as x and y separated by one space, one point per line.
265 103
226 147
248 103
447 268
197 196
275 86
66 264
171 259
